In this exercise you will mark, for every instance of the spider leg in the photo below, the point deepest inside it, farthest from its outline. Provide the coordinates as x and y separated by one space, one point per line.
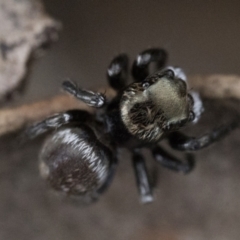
92 99
56 121
117 72
142 179
171 162
182 142
140 66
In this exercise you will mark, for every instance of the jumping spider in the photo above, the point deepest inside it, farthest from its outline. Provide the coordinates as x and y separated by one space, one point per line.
80 156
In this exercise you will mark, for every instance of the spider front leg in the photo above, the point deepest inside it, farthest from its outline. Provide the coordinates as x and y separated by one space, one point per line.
171 162
56 121
182 142
142 179
117 72
92 99
140 68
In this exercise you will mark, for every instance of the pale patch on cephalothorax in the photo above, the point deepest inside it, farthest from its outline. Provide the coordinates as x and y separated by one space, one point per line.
157 105
171 97
197 105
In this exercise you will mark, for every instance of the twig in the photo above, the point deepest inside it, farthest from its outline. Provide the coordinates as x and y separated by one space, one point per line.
216 86
12 119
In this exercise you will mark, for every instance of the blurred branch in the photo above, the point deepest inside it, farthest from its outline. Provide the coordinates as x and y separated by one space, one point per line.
26 30
216 86
12 119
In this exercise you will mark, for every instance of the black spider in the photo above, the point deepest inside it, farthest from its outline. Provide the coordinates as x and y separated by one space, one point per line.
80 156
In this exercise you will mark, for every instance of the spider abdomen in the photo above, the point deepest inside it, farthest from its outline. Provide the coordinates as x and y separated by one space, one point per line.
74 161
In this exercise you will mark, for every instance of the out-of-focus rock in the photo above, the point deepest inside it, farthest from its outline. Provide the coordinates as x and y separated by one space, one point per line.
25 31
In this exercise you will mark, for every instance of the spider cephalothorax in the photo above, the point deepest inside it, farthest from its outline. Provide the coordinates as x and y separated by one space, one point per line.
155 106
80 156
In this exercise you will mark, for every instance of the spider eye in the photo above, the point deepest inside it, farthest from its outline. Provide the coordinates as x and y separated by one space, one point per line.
191 116
169 74
145 85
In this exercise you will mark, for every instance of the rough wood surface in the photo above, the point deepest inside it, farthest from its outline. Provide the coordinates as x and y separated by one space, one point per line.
25 30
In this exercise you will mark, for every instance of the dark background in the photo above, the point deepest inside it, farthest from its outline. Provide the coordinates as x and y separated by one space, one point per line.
203 38
200 36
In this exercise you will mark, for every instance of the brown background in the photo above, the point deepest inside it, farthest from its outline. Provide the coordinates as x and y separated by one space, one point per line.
201 37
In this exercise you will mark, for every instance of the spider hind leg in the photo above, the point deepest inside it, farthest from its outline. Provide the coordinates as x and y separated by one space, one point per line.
142 178
56 121
171 162
181 142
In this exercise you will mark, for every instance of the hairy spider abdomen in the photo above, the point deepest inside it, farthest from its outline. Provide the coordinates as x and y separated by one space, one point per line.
74 161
